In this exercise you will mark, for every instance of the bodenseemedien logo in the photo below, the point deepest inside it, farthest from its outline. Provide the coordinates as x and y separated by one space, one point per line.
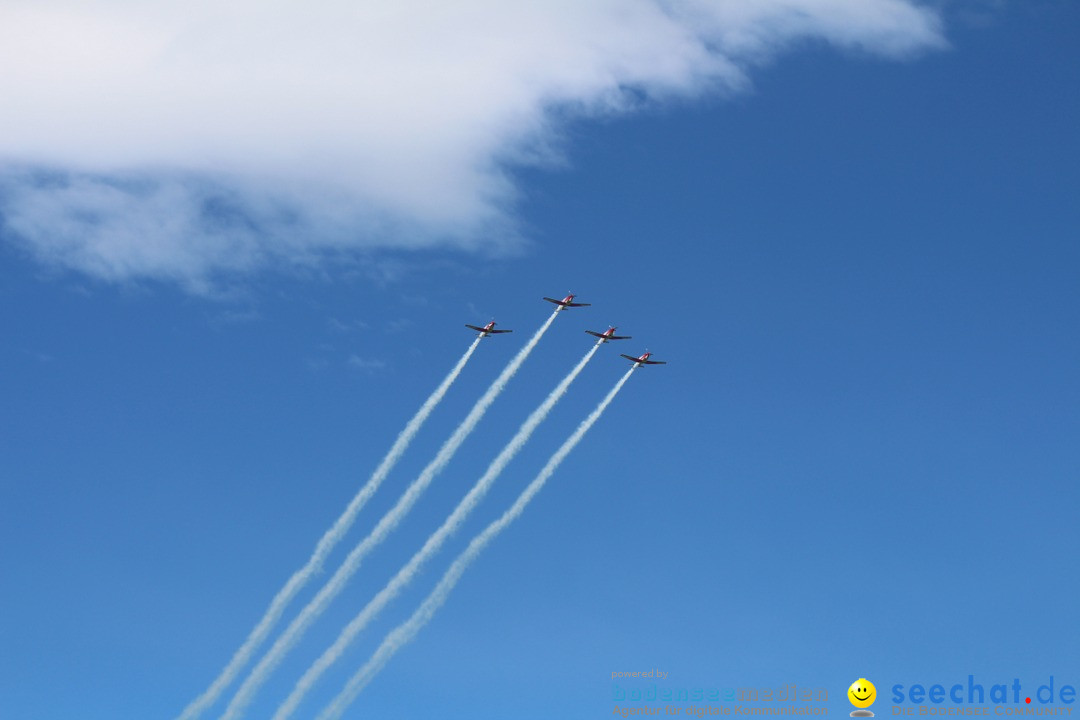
862 694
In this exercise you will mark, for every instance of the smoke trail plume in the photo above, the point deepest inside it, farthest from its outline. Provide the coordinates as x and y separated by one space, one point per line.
389 521
327 543
433 544
405 632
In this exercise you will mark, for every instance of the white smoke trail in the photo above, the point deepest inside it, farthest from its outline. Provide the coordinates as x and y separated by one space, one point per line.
433 544
389 521
327 543
405 632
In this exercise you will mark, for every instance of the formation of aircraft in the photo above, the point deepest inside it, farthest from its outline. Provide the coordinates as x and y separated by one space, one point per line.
488 329
568 302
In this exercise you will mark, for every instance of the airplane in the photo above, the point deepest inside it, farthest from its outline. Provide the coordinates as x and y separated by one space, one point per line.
566 302
643 359
608 334
488 329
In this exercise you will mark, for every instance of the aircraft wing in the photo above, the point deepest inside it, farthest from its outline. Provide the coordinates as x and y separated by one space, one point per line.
575 304
473 327
498 332
608 337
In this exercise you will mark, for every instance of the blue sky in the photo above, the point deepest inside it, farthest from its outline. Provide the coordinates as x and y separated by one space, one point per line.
860 461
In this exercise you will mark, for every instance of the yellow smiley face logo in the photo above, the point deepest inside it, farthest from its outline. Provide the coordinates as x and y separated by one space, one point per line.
862 693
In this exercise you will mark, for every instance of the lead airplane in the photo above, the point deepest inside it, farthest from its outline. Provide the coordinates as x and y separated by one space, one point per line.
608 334
643 359
488 329
566 302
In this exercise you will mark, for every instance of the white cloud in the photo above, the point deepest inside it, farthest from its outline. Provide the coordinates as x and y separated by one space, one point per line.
368 364
176 140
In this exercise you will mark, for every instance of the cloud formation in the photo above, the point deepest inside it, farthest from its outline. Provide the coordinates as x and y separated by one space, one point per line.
180 140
